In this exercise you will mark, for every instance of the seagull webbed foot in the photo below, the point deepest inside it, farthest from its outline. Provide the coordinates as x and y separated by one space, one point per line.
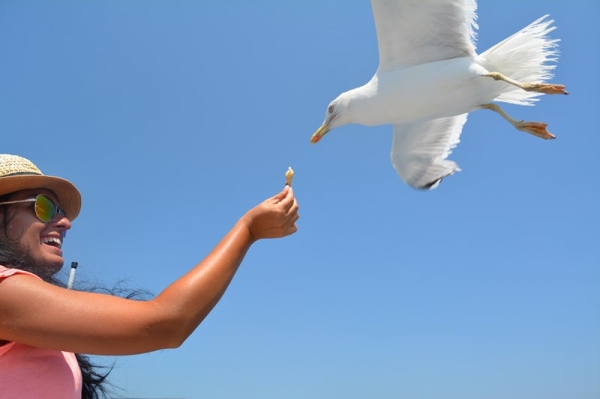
546 88
538 129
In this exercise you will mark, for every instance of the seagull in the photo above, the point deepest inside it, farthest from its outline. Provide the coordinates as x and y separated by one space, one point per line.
430 78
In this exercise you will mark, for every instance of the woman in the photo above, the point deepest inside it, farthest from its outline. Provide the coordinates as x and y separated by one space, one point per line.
42 325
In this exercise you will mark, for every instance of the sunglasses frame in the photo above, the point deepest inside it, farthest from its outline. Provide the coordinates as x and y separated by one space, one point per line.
57 210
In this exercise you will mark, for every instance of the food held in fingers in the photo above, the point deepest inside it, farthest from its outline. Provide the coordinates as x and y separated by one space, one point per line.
289 175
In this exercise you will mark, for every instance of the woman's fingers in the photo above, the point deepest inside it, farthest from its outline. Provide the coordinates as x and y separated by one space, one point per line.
281 195
275 217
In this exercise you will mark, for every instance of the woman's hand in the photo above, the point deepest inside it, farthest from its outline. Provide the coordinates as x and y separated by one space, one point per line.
273 218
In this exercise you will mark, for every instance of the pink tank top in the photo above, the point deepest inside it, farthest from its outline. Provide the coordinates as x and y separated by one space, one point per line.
28 372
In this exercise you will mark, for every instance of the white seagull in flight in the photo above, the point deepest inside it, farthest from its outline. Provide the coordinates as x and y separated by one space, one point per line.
430 77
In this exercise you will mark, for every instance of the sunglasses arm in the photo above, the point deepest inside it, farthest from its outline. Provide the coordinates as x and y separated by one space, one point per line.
18 201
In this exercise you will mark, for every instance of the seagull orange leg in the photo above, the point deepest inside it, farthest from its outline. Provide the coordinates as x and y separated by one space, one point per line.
546 88
538 129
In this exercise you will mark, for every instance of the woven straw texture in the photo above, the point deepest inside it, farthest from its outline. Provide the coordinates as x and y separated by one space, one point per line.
18 173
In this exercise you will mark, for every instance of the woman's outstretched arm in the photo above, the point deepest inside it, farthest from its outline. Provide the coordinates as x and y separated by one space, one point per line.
36 313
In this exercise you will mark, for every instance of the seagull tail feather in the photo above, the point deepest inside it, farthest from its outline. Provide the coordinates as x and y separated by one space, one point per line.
527 56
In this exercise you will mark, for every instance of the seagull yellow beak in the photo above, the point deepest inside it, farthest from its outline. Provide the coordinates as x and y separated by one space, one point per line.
319 133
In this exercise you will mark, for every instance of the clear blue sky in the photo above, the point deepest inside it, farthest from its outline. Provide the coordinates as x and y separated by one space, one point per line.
175 117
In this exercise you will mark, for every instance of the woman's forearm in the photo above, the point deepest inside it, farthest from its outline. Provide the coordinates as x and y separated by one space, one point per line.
190 299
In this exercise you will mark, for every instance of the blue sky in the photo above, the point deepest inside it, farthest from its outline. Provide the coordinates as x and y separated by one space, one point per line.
174 118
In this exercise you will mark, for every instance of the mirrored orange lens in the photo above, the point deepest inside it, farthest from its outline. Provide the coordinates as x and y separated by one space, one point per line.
45 209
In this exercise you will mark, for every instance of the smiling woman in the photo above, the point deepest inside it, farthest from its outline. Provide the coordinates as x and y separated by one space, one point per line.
33 224
44 324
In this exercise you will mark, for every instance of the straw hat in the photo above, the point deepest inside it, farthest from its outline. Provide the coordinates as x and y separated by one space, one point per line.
17 173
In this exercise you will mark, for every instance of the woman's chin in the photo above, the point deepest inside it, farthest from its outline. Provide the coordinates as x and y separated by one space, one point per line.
52 260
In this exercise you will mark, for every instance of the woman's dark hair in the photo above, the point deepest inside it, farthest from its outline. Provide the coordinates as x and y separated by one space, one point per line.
94 377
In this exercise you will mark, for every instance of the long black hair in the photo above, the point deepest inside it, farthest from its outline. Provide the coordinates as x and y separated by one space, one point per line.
94 376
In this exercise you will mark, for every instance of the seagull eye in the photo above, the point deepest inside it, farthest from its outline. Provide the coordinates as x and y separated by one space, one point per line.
330 109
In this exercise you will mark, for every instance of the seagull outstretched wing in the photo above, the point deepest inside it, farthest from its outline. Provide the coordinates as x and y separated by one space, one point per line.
420 149
412 32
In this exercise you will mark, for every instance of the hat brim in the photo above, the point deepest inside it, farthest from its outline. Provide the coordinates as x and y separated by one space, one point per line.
66 193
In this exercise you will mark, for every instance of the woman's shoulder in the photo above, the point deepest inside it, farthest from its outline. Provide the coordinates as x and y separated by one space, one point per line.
7 272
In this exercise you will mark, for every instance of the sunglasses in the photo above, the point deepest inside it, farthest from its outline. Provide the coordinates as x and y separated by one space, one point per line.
45 209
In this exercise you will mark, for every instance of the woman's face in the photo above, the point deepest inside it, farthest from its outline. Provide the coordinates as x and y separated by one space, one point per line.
41 241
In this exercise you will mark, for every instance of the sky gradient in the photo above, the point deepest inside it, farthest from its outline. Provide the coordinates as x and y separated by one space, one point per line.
174 118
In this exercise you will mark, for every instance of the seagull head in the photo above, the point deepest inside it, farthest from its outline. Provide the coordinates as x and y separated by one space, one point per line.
334 116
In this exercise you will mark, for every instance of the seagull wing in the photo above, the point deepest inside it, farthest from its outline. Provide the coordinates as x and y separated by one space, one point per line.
412 32
420 149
